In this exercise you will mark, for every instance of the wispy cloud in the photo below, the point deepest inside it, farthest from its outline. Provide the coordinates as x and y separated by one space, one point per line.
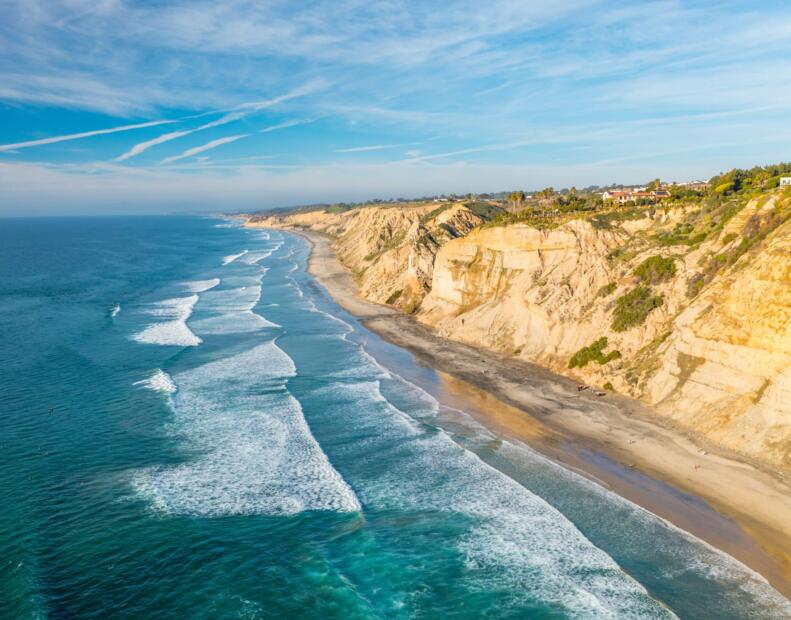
144 146
204 147
238 113
487 148
372 147
79 136
287 124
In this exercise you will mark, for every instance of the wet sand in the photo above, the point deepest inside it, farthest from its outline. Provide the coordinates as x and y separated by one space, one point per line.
735 505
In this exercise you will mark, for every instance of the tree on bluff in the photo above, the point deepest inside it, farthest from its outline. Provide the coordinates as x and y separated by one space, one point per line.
517 199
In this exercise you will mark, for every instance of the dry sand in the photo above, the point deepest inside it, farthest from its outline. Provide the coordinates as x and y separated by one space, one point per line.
735 505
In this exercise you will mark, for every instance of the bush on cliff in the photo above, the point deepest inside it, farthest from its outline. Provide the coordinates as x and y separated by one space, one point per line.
633 307
593 353
607 289
655 269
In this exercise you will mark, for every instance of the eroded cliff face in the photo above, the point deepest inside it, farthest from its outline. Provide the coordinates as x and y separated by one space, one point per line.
725 369
521 290
389 249
711 349
715 355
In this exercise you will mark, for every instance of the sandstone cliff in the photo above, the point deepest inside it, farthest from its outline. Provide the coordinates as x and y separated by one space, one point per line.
688 309
389 249
714 354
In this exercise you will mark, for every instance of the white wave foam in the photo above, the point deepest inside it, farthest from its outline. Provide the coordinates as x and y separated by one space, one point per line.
232 257
235 307
232 299
114 312
174 331
198 286
240 281
348 329
246 321
160 381
297 288
255 451
251 258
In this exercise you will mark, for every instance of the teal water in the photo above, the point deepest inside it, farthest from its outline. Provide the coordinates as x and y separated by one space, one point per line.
191 428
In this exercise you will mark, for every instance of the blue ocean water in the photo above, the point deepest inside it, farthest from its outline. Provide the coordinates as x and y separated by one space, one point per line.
191 428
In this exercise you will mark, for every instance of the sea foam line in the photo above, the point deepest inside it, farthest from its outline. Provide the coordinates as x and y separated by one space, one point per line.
234 307
173 331
199 286
232 257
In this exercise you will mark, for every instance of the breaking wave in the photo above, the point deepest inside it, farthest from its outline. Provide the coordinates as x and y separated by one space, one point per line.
172 331
235 311
232 257
198 286
254 452
160 381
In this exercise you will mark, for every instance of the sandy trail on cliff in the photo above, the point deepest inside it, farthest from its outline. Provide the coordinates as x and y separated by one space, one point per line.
621 428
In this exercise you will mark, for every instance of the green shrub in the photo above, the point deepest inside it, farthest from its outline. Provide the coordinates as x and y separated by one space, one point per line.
606 221
394 297
608 386
424 219
633 307
338 208
607 290
484 210
390 244
593 353
681 235
695 285
728 238
655 269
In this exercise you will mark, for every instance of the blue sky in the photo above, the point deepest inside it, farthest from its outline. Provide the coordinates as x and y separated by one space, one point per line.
115 106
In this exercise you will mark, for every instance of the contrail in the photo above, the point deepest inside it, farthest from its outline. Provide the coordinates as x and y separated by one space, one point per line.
204 147
77 136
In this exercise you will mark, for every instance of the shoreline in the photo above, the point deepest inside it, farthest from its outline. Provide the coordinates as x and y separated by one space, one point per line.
736 506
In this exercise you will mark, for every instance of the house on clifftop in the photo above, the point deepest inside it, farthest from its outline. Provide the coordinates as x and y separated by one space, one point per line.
623 197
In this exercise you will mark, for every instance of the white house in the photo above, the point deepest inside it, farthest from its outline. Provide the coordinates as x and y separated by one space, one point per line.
785 181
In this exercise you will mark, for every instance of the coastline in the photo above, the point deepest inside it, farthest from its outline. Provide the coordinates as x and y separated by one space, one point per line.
735 505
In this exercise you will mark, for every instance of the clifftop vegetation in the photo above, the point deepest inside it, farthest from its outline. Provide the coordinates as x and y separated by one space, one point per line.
717 201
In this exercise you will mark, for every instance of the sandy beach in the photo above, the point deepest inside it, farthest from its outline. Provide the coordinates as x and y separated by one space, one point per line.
738 506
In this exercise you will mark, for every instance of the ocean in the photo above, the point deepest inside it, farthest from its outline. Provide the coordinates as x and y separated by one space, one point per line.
190 427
